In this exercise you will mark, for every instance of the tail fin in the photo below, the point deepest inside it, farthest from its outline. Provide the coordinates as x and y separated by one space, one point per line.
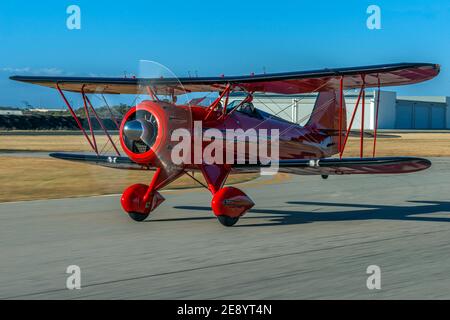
325 117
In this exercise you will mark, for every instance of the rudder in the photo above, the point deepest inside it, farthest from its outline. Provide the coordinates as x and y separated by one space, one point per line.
325 117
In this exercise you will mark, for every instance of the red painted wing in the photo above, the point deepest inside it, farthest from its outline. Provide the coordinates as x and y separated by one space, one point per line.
387 165
281 83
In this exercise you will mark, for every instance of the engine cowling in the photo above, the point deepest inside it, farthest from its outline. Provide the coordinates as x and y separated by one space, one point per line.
145 131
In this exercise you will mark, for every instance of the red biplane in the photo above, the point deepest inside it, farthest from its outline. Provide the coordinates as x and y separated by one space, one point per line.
145 131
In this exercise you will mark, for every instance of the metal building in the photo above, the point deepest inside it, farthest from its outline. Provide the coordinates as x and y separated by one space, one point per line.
422 113
396 112
11 112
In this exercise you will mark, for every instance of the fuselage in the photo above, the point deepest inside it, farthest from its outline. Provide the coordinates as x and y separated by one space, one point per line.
295 141
161 133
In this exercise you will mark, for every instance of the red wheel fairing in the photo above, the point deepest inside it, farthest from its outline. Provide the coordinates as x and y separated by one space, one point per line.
134 200
231 202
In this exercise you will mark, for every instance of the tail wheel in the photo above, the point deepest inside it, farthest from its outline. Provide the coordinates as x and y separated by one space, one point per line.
228 221
138 217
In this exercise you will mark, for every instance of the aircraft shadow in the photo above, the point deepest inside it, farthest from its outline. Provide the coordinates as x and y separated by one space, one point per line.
298 213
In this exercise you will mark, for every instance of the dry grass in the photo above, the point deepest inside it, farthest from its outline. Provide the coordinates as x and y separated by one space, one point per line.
36 178
68 143
404 144
401 144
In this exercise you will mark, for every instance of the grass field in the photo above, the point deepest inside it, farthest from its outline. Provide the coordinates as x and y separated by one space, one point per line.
404 144
40 178
37 178
398 144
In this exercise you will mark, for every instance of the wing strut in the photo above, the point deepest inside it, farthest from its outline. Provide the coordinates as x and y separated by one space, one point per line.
349 130
152 93
216 103
363 113
113 118
80 126
361 97
376 118
88 116
88 105
103 127
341 111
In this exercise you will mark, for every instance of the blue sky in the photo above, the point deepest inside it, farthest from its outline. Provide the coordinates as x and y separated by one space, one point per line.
213 38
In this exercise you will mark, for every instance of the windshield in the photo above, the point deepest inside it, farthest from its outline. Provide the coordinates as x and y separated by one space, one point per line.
233 105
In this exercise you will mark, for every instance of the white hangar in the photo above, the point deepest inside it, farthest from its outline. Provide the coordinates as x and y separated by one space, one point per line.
396 112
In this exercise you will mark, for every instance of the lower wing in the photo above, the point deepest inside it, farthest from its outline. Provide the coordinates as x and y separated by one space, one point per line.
104 161
329 166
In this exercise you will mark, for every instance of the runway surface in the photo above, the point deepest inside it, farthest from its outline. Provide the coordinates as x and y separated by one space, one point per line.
306 239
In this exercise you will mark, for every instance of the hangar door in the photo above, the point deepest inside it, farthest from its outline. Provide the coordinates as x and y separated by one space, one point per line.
420 115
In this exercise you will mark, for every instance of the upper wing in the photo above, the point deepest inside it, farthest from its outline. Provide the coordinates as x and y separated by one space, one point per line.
386 165
281 83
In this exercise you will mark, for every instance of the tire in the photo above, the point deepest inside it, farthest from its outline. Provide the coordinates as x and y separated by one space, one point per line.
138 217
227 221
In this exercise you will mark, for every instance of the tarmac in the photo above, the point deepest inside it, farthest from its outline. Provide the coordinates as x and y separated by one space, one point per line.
306 238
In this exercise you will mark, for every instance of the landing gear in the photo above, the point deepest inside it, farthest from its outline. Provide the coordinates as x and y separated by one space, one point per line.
138 217
325 177
228 221
140 200
229 204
